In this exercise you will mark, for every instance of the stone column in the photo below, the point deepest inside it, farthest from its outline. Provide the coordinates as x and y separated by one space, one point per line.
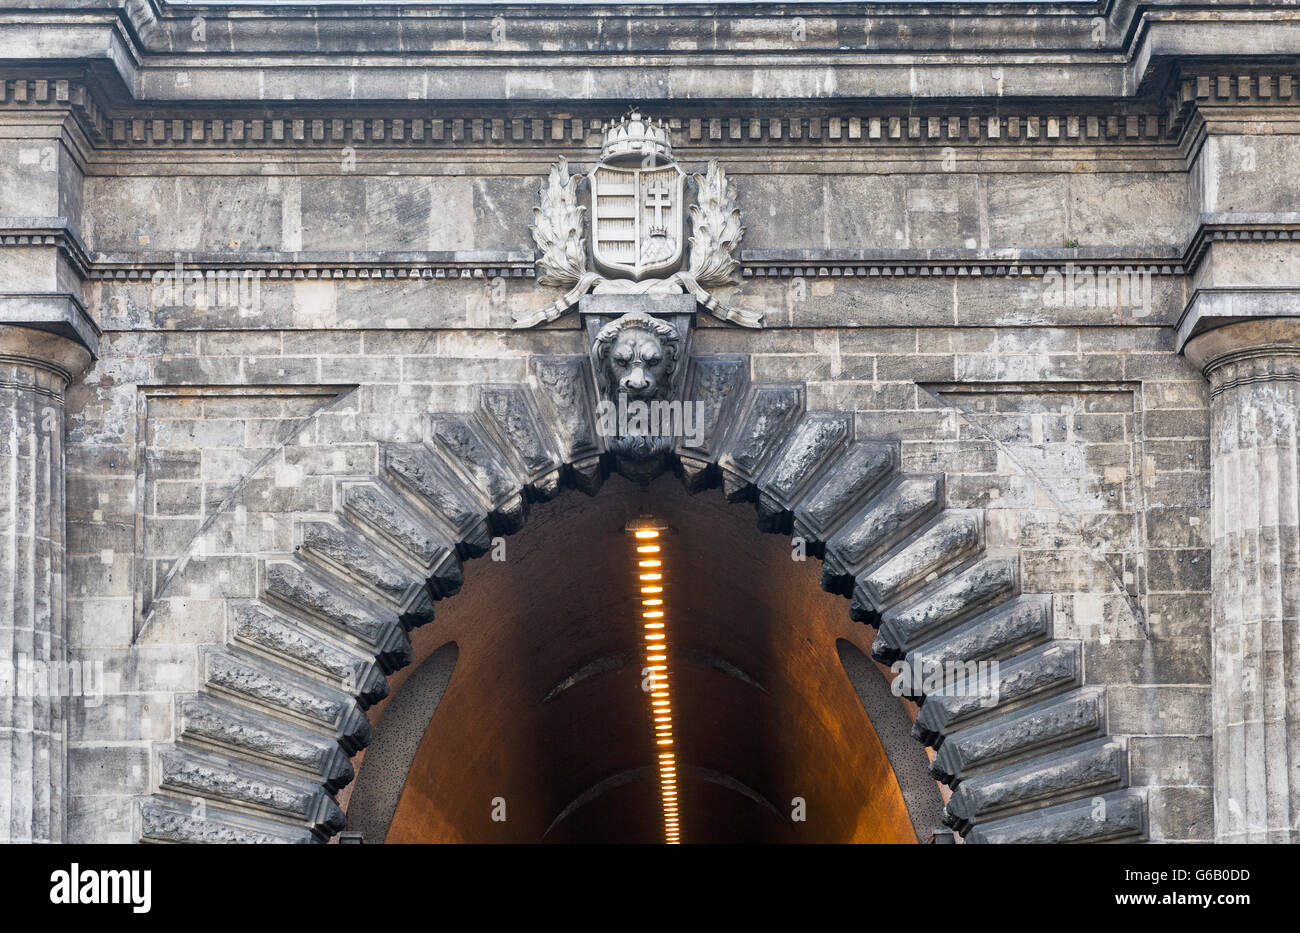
1254 371
35 369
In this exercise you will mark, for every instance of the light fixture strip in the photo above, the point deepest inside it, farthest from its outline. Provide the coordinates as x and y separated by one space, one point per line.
650 577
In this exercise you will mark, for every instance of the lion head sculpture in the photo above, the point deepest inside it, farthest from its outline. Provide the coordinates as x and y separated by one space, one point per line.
636 355
634 358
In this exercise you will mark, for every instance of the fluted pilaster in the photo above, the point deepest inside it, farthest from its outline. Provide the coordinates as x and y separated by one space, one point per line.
1254 373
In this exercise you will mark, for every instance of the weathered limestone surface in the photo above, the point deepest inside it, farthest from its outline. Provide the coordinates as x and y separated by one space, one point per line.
1254 372
35 369
268 487
1044 748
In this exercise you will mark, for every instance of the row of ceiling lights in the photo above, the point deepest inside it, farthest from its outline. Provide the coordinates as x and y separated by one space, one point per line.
650 573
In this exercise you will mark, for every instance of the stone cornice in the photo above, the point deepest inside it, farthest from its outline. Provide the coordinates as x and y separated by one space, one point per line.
951 263
47 231
851 263
1049 127
599 52
273 265
754 263
1239 226
1166 120
592 26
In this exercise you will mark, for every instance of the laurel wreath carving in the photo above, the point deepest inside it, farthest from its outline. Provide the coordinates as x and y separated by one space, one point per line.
715 227
557 228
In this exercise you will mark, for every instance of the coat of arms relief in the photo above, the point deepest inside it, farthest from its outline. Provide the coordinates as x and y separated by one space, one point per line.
639 214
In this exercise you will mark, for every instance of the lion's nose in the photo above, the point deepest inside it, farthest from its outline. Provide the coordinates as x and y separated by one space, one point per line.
636 380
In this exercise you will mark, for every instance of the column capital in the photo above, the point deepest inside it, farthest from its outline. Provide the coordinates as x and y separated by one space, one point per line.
50 332
1268 345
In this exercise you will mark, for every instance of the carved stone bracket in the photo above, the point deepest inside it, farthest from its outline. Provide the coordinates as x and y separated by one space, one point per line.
639 348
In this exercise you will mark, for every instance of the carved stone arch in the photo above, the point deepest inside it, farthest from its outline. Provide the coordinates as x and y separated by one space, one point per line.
265 742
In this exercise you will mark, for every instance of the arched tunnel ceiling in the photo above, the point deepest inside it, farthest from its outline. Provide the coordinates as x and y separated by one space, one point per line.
544 708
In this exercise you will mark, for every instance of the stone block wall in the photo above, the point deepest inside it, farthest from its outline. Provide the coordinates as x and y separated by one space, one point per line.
1100 484
1086 444
903 251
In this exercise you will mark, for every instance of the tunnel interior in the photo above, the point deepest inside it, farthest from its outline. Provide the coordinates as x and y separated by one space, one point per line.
525 717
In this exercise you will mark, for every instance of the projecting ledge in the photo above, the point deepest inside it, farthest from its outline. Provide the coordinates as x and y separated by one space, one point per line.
48 327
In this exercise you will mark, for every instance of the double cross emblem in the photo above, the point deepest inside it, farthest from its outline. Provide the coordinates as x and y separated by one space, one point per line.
658 197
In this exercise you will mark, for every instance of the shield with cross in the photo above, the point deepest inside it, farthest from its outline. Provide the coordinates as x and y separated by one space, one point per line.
637 217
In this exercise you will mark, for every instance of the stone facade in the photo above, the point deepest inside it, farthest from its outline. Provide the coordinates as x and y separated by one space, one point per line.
1026 280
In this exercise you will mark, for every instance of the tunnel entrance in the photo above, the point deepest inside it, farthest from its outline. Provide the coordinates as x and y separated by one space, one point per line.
524 718
336 625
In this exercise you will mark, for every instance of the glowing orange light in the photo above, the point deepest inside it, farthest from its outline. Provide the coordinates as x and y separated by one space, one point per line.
650 575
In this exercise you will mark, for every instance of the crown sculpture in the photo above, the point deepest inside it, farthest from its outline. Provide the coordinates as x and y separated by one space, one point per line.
635 138
638 220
